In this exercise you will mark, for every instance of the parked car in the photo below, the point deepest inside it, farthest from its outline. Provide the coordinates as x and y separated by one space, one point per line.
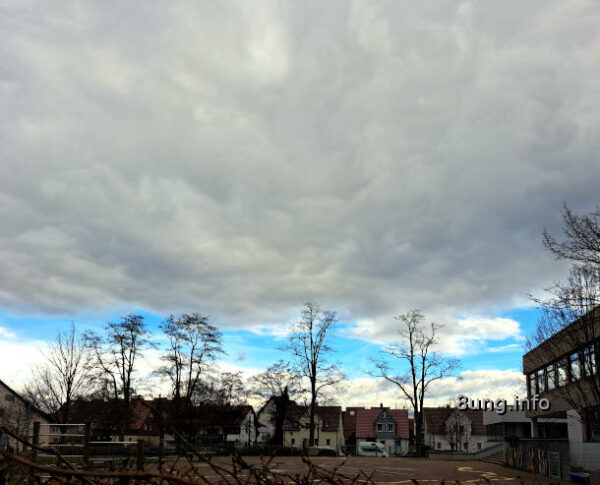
371 448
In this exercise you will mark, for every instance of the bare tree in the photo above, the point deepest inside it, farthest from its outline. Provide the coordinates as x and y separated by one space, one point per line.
420 364
571 308
114 357
194 344
308 346
232 389
62 376
581 241
275 380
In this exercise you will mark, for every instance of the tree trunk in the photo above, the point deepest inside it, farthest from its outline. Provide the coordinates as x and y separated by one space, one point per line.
419 445
313 403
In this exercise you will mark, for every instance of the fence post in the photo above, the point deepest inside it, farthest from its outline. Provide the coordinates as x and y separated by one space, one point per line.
86 443
35 439
140 455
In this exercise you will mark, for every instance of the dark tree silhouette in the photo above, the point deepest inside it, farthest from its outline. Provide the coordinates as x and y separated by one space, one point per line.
310 352
114 356
419 366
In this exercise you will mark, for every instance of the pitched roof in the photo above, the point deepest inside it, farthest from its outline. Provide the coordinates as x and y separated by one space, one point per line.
330 415
365 421
435 419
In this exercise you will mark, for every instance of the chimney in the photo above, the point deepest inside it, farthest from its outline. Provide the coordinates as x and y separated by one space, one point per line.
381 405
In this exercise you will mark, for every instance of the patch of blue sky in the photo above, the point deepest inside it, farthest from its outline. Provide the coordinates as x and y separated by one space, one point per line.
259 349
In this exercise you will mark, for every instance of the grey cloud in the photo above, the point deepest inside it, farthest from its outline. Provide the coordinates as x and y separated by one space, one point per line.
373 156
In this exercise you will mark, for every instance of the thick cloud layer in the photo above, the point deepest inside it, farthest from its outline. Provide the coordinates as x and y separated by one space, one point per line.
244 157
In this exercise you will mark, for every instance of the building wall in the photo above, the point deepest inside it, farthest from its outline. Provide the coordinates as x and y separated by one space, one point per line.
582 454
300 437
266 420
19 417
247 435
439 442
384 434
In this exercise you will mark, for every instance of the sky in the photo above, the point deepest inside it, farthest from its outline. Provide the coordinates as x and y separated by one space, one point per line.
241 158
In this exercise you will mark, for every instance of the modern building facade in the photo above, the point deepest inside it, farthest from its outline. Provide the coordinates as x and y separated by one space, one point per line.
563 370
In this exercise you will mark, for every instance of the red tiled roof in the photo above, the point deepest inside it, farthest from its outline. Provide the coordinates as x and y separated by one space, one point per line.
435 419
365 421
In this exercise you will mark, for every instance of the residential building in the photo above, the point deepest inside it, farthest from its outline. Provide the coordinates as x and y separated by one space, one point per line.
328 429
18 415
383 425
448 428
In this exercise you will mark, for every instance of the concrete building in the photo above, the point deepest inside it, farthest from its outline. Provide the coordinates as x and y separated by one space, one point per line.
514 424
564 371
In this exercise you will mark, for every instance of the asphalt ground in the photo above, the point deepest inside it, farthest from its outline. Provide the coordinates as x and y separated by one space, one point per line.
383 471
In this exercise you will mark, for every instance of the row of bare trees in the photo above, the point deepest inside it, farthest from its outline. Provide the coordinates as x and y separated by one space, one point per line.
105 365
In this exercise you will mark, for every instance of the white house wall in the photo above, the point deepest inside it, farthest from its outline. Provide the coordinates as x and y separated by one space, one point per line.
584 455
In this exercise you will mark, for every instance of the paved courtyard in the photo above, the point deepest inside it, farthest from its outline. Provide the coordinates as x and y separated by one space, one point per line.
385 471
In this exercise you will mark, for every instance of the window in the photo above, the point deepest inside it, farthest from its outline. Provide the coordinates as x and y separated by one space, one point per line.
532 385
589 360
541 381
551 372
351 413
479 446
466 445
328 442
291 433
439 445
461 429
390 427
561 372
316 442
379 427
575 367
9 397
293 441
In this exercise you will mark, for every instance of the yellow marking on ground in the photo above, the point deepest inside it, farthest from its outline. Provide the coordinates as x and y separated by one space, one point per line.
492 476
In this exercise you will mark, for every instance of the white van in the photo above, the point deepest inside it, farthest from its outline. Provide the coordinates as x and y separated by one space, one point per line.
371 448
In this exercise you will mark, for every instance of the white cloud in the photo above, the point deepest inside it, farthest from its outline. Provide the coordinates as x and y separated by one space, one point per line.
456 336
368 391
6 333
17 360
